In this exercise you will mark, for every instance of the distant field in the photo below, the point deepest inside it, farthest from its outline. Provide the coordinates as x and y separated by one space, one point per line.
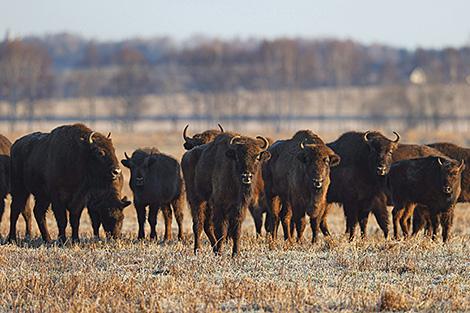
332 275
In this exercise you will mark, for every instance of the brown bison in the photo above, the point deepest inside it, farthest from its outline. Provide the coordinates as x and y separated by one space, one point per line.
156 182
200 138
225 178
5 146
71 167
406 152
421 217
434 182
297 176
357 183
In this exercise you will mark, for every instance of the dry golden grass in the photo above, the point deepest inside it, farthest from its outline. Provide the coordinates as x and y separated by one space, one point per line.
332 275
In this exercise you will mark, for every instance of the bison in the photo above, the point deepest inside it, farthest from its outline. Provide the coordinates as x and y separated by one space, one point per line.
433 181
71 167
297 176
421 217
225 177
357 183
200 138
5 146
156 182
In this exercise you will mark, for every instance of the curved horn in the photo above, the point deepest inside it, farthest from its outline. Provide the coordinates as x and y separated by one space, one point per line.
90 137
398 137
221 128
109 135
365 136
265 141
127 157
462 163
439 161
232 141
302 146
185 137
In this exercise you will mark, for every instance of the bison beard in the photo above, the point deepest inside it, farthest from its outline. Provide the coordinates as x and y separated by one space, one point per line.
69 168
224 182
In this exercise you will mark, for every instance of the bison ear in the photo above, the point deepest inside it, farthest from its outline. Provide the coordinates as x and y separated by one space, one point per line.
302 157
334 160
126 163
230 153
264 156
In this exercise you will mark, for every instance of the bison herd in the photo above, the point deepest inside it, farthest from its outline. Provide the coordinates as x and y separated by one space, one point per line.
223 174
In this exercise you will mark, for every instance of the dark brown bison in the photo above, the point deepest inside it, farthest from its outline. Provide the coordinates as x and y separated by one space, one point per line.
5 146
225 178
156 182
421 217
200 138
406 152
357 183
434 182
297 176
70 168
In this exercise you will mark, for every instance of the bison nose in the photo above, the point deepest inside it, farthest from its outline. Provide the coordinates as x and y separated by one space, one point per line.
381 170
447 190
139 180
318 183
116 172
247 178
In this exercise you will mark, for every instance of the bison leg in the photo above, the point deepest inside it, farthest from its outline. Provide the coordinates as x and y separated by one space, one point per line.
434 224
418 220
324 222
17 206
351 220
221 227
236 231
257 218
168 215
315 225
405 220
447 220
152 219
40 210
178 206
209 229
60 214
300 221
363 221
27 214
274 210
198 213
140 210
95 222
2 207
397 213
382 216
75 223
286 217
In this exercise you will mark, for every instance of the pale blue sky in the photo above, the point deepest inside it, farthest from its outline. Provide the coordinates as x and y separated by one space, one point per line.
408 23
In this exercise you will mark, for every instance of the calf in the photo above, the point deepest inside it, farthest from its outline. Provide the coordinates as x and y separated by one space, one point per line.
156 182
433 181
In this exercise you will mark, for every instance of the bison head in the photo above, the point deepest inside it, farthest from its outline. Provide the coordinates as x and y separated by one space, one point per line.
317 159
451 173
139 166
380 151
103 161
200 138
247 154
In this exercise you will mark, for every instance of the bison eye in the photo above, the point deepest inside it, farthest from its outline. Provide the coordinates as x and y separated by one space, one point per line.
258 157
102 153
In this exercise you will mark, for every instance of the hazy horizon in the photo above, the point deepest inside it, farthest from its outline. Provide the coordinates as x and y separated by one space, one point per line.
401 23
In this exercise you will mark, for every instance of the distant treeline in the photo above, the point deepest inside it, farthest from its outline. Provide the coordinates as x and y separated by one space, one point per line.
202 64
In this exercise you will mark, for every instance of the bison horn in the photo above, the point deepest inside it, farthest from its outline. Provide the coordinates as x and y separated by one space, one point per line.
109 135
90 138
439 161
302 146
398 137
221 128
127 157
265 142
234 138
185 137
366 139
462 163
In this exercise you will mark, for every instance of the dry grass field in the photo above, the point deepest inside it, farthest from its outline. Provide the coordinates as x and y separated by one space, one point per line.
333 275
